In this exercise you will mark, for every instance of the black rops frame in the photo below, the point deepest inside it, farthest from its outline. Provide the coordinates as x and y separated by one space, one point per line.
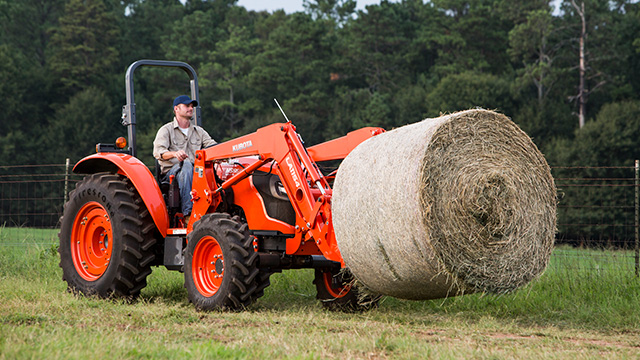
129 110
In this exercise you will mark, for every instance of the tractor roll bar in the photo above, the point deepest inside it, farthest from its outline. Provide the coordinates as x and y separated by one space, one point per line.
129 110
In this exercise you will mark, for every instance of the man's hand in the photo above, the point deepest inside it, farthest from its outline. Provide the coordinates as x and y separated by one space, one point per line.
180 155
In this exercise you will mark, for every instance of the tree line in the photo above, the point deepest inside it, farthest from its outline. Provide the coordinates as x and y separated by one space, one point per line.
568 76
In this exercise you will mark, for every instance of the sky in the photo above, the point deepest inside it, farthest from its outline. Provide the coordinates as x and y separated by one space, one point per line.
289 6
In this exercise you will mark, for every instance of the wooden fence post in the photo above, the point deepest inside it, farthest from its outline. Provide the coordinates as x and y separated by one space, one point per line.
636 217
66 181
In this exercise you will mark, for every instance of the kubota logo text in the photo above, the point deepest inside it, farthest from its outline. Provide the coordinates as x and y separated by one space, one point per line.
242 146
292 171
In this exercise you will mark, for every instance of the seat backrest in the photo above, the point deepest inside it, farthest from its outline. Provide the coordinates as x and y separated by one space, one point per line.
162 182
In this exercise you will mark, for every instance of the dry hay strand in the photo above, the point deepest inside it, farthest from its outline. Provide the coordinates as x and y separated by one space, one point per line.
456 204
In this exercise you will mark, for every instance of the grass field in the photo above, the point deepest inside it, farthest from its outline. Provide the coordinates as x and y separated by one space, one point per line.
567 314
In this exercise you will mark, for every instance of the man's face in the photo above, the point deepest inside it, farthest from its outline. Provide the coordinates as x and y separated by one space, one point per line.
184 110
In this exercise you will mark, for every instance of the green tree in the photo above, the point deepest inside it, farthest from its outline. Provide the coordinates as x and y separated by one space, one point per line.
27 26
83 46
592 26
293 65
534 47
229 65
472 35
629 34
12 89
291 58
609 140
21 120
192 37
530 45
374 47
336 10
18 148
377 61
145 25
218 40
25 82
469 90
82 123
217 6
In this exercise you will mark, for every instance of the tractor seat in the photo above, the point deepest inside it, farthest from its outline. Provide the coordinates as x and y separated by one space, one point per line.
163 183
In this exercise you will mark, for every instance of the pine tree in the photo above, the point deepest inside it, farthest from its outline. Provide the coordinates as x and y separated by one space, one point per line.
83 45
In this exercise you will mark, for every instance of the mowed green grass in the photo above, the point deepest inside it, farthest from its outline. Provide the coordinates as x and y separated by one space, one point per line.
571 312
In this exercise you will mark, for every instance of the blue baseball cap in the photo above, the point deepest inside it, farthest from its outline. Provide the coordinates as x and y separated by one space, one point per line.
184 99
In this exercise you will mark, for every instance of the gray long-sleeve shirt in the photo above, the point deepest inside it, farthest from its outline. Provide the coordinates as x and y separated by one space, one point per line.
171 138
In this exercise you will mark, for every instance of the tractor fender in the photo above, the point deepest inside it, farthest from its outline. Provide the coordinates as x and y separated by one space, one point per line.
136 171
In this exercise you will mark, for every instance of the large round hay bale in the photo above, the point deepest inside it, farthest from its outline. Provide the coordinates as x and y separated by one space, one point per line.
457 204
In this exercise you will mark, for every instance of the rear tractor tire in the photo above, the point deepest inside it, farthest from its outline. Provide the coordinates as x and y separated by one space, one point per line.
106 238
337 291
220 266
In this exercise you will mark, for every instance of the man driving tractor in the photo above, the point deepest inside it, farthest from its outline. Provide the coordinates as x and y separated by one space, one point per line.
175 145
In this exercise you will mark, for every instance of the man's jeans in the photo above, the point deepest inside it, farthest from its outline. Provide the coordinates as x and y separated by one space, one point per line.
183 173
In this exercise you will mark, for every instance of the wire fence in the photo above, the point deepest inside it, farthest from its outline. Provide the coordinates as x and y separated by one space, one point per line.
597 215
598 212
31 202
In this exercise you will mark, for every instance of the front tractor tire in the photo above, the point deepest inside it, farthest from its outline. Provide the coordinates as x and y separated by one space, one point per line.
220 266
337 291
106 238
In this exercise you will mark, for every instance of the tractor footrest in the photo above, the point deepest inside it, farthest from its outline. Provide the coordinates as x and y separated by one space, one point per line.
173 252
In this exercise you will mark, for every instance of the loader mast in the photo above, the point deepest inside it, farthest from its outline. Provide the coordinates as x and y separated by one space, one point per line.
306 187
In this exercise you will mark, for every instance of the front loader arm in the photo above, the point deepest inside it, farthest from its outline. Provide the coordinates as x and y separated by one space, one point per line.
341 147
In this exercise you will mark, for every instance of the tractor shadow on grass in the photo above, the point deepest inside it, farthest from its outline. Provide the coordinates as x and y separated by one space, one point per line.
164 285
293 290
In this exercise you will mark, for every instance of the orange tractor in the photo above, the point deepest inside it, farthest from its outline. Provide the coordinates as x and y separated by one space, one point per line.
261 205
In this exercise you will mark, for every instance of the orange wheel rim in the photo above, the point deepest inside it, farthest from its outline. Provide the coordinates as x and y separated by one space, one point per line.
335 291
207 266
91 241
